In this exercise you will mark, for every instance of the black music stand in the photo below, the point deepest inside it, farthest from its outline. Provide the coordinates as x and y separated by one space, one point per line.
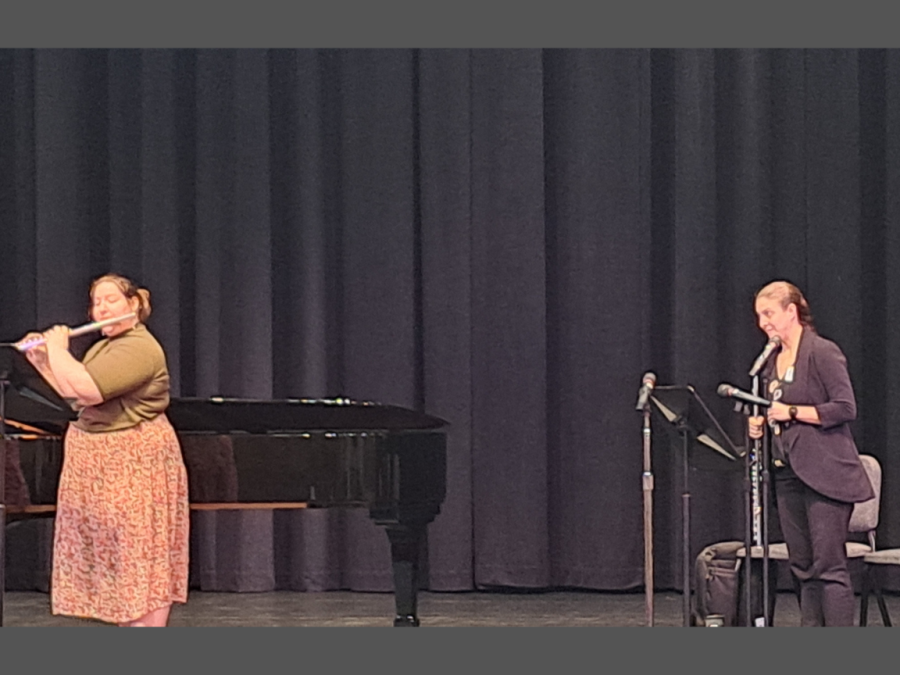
26 397
698 429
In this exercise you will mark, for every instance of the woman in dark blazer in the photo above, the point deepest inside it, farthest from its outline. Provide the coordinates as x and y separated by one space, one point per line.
817 470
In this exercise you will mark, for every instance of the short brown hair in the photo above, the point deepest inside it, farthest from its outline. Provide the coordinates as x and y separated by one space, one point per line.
129 290
787 293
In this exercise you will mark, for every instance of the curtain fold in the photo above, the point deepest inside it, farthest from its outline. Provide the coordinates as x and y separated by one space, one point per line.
506 239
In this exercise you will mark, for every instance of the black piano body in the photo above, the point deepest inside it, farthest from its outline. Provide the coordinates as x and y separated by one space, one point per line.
293 453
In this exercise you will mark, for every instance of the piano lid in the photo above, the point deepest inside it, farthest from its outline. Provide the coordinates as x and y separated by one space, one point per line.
238 415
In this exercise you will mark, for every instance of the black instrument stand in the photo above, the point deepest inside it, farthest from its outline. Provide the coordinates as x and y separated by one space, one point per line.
685 432
697 428
25 396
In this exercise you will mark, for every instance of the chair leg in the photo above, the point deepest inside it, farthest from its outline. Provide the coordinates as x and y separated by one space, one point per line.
885 617
864 596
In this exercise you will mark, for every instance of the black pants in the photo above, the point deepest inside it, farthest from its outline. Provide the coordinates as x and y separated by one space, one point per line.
815 530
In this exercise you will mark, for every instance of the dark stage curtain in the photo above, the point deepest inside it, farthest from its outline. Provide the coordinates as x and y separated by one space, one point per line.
505 239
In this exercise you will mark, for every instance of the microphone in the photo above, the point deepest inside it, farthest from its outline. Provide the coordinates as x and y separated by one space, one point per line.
773 343
728 391
647 384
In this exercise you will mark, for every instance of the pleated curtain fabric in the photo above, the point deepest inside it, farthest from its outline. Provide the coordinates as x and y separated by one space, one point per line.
507 239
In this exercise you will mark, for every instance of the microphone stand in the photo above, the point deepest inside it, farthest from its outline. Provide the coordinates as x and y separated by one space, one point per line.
749 519
647 482
760 508
756 523
764 509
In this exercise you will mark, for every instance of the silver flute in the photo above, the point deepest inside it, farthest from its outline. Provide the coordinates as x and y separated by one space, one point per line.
25 345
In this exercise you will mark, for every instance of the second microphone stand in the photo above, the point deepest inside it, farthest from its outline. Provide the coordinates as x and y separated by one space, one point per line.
757 509
643 405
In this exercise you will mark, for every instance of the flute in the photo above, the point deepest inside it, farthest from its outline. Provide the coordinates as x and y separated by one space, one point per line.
75 332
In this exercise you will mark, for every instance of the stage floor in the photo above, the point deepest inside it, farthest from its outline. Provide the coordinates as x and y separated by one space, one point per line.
342 608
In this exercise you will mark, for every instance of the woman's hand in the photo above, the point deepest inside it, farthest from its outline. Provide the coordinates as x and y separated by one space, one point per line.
778 412
37 355
57 338
755 426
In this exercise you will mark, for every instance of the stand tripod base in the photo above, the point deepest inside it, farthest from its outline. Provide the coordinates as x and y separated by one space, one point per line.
756 593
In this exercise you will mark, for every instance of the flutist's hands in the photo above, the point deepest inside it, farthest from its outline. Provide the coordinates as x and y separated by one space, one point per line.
57 338
60 369
36 355
755 426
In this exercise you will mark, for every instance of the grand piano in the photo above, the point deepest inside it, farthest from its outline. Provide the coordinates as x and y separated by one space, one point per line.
241 453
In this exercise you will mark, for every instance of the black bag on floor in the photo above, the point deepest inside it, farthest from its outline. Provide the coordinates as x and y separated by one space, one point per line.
717 583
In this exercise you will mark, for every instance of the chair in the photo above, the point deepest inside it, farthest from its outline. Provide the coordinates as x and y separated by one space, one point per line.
875 563
863 520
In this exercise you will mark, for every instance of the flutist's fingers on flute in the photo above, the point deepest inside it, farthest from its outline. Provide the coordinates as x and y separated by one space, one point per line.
57 337
755 426
26 341
32 340
36 353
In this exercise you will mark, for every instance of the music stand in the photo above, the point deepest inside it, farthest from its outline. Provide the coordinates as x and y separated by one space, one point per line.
25 396
698 428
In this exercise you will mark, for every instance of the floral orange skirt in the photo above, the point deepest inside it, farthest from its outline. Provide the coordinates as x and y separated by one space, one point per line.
120 546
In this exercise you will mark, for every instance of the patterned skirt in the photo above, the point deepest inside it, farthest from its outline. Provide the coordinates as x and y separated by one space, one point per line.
120 546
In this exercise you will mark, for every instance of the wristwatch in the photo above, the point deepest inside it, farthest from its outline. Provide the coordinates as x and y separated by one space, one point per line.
792 411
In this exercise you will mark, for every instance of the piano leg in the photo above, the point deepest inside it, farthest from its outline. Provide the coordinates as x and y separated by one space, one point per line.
406 541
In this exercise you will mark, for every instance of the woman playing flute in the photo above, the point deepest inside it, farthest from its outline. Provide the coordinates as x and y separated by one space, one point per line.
120 547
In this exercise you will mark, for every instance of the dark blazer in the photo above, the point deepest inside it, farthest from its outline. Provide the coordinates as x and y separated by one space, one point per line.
824 457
